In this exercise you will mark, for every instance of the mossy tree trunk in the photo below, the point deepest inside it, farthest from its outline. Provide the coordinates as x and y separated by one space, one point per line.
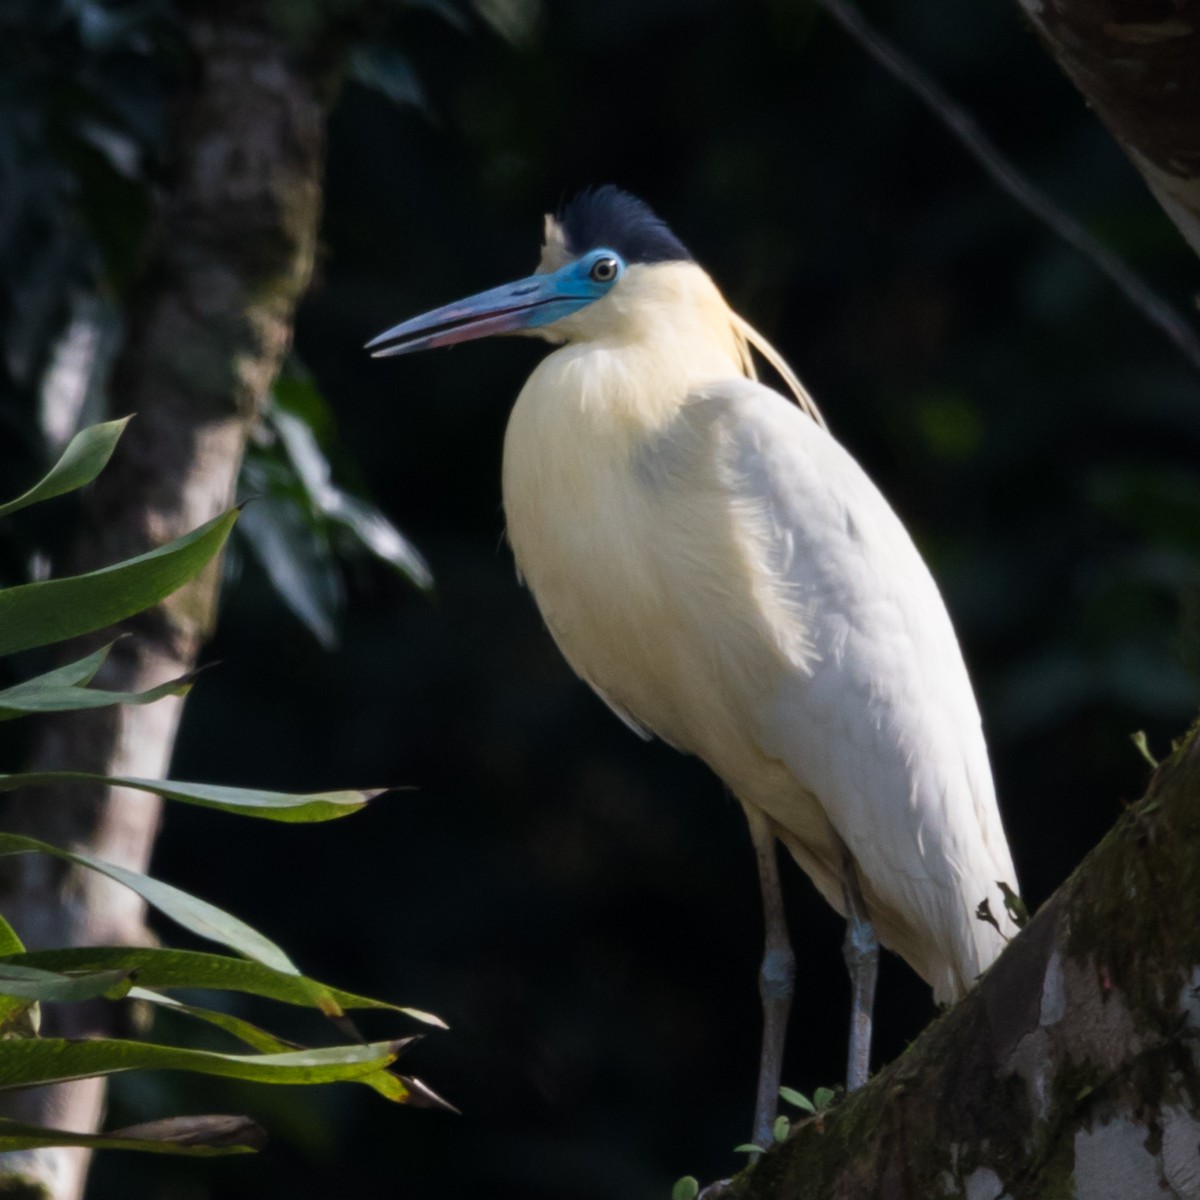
227 259
1072 1070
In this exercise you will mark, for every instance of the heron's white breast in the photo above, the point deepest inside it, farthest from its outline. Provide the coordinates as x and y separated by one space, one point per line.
621 526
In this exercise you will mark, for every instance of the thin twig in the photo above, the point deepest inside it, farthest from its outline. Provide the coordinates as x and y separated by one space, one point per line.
1135 289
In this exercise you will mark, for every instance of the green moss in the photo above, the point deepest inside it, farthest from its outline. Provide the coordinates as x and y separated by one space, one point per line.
15 1187
1140 880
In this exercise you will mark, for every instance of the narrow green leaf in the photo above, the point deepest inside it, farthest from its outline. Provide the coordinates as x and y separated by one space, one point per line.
37 696
202 918
9 942
54 1060
203 1136
35 614
384 1082
361 518
368 524
245 1031
77 673
15 1015
797 1099
747 1148
160 968
34 983
85 457
248 802
296 556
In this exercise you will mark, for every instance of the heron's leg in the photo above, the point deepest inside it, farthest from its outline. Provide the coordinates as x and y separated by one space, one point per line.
861 951
775 978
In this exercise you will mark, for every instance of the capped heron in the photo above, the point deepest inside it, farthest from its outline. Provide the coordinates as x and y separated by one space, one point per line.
722 572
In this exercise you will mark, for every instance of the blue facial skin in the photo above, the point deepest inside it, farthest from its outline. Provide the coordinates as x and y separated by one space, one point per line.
527 304
574 286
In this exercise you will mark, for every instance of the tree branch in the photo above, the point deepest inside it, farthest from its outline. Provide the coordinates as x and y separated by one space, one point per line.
1072 1070
984 151
1135 61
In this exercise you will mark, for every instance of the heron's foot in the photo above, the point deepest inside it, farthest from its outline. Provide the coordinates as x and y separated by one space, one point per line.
717 1191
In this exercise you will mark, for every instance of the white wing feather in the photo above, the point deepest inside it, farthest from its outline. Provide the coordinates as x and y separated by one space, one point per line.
878 721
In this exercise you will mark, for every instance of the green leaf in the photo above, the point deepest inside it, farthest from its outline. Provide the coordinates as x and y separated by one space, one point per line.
12 1010
84 458
248 802
9 942
747 1148
76 674
687 1188
781 1129
203 1136
35 614
54 1060
368 524
797 1099
245 1031
298 561
390 73
39 695
823 1098
157 967
361 518
202 918
35 983
1143 747
1014 905
388 1085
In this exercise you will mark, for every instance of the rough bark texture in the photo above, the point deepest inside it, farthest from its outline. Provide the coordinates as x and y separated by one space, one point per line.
1072 1071
1137 63
229 256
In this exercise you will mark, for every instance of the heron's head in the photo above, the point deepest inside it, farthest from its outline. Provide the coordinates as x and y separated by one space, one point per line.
605 252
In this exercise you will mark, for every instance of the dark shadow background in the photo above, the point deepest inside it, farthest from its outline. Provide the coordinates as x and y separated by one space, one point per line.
581 907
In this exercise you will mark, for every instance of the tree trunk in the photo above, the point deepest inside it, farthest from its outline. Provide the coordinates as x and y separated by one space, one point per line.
1073 1070
1137 63
229 256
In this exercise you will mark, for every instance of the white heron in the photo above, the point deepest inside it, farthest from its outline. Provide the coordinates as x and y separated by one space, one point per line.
721 571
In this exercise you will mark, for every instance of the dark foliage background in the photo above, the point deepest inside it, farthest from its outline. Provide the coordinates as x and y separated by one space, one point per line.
581 907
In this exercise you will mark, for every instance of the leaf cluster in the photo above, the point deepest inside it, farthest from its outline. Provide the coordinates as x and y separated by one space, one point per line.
50 611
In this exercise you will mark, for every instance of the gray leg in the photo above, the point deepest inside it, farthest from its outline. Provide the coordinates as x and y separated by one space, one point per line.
861 951
775 979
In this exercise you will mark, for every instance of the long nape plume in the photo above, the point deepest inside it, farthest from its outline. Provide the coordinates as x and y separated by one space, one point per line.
749 336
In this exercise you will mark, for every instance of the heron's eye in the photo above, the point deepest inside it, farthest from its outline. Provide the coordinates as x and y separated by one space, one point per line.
604 270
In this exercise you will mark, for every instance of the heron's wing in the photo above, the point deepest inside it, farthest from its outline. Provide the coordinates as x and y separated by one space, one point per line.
623 714
874 713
